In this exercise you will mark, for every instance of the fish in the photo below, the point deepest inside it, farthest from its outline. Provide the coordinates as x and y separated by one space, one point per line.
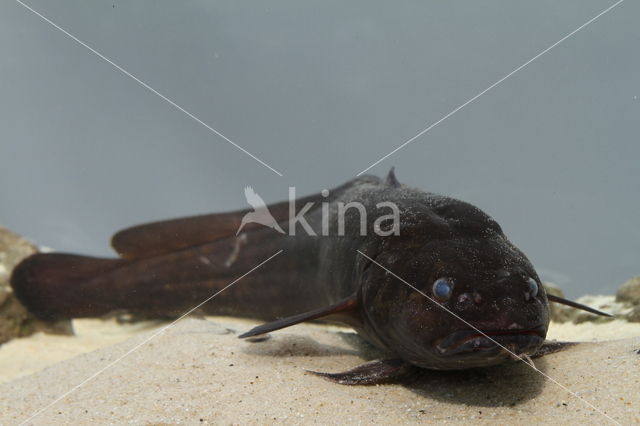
434 284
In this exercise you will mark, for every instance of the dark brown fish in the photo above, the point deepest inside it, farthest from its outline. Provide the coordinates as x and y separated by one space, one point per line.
449 292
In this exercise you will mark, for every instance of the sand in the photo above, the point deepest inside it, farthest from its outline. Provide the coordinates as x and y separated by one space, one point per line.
199 372
21 357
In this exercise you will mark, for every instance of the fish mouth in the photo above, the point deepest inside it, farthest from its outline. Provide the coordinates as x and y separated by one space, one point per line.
516 341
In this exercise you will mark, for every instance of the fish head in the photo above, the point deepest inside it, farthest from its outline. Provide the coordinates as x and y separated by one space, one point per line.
454 303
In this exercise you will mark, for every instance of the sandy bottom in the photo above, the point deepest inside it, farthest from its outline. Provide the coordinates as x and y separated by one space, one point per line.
199 372
22 357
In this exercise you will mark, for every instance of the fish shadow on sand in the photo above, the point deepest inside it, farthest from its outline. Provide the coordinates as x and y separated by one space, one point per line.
507 385
296 346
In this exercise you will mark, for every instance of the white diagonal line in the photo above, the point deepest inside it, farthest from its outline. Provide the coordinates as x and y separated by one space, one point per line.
493 85
153 336
146 86
532 366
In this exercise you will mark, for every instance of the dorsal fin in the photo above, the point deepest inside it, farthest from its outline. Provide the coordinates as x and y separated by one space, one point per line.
346 307
156 238
391 179
165 236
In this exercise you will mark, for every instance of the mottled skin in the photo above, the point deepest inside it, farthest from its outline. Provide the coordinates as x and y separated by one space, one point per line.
168 267
440 237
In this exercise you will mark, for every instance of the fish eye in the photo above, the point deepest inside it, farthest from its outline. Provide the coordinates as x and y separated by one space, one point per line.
442 289
533 287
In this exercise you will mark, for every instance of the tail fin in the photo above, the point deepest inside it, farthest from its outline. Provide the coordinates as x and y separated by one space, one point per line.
53 285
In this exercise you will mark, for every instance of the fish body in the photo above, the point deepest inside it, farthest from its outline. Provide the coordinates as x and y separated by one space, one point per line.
441 288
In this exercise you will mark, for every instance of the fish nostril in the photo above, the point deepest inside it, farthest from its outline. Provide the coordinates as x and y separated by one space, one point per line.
464 301
468 300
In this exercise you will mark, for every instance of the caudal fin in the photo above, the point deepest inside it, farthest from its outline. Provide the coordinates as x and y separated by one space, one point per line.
57 285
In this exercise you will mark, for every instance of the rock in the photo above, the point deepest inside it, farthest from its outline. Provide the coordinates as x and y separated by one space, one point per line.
15 320
629 292
634 315
13 248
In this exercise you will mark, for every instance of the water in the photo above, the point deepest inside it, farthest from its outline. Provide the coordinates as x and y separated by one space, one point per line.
319 92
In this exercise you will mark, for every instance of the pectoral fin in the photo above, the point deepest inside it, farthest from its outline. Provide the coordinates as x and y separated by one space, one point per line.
371 373
344 307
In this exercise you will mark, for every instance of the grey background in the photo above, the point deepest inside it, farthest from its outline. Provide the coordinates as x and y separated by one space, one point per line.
320 90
